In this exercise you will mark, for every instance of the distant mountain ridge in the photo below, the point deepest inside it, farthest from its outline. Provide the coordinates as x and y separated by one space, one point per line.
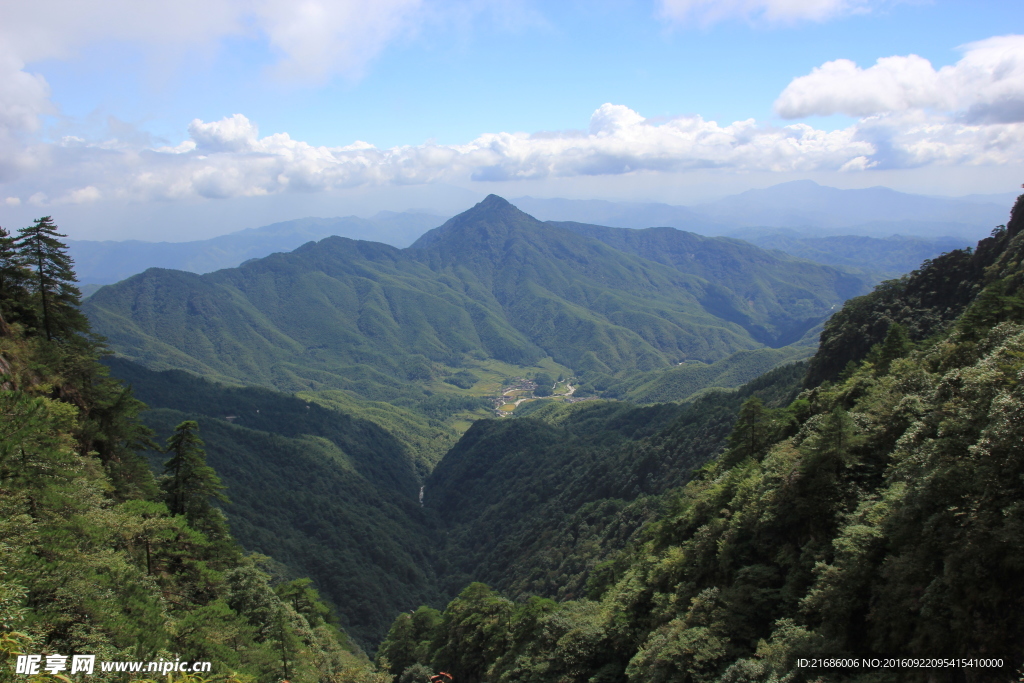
108 262
889 257
800 205
492 282
807 209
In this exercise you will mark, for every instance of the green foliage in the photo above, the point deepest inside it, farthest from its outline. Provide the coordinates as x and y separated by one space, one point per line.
15 297
536 504
53 282
303 501
775 298
895 345
876 514
686 381
492 283
91 562
410 641
922 303
189 483
462 379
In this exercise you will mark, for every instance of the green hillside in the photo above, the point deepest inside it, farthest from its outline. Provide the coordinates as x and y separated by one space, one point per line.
877 514
687 380
532 505
492 283
100 557
774 297
890 257
326 493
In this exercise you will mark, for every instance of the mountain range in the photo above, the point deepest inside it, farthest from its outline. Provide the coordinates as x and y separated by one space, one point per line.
102 263
687 540
802 210
800 205
490 284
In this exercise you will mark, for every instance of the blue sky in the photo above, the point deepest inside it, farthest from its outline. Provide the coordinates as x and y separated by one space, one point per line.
132 120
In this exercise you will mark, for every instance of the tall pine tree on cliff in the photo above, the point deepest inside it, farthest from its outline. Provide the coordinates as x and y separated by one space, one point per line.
53 283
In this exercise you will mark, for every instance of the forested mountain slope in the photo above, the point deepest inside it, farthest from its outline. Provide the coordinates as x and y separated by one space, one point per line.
327 494
890 257
877 514
533 504
99 557
782 297
490 283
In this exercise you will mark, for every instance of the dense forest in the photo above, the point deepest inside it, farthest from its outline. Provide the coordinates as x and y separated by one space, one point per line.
865 501
878 513
97 555
491 284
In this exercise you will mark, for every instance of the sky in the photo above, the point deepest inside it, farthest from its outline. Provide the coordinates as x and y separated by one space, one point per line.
185 120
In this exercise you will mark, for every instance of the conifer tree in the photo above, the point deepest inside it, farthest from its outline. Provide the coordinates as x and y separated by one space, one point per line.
897 344
190 483
14 296
54 280
751 432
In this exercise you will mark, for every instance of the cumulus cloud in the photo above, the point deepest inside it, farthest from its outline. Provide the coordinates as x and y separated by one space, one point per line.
23 98
233 134
985 87
314 40
773 11
228 158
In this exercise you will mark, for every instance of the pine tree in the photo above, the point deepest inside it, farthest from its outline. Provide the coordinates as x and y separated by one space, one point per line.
15 303
190 483
897 344
751 432
54 280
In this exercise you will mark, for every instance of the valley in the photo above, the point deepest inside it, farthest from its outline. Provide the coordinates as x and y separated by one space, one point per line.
623 437
507 341
344 351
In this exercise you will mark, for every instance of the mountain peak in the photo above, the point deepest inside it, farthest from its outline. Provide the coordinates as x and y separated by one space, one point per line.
492 213
493 201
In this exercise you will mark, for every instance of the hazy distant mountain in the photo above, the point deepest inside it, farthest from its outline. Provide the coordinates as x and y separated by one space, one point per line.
801 205
887 257
109 261
999 198
878 211
621 214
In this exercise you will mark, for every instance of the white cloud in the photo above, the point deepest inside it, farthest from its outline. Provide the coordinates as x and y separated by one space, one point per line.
319 38
314 40
82 195
985 86
233 134
56 29
707 12
227 158
23 98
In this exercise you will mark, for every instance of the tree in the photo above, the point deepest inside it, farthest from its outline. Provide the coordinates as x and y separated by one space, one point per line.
751 433
897 344
15 301
54 280
190 483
